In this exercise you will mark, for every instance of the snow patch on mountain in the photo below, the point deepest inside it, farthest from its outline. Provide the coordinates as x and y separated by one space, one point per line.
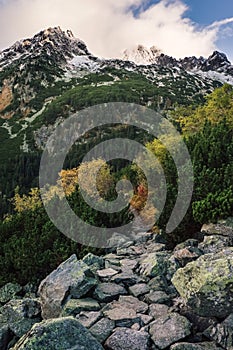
84 62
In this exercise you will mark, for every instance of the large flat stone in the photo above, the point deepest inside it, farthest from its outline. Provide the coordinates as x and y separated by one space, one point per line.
128 339
107 292
169 329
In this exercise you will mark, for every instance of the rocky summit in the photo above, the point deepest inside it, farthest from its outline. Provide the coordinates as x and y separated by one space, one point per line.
139 296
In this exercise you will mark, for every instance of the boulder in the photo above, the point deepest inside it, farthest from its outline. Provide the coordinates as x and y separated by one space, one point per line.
125 312
128 339
206 284
189 243
9 291
158 264
158 297
127 278
20 315
58 334
107 292
74 306
88 318
122 317
138 290
72 279
186 255
102 329
95 262
158 310
106 274
221 229
215 243
155 264
128 264
158 283
132 303
222 333
169 329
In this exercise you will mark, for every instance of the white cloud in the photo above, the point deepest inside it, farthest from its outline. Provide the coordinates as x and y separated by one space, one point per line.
108 26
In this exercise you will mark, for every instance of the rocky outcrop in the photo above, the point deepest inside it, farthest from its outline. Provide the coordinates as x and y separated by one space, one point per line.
140 296
72 279
58 334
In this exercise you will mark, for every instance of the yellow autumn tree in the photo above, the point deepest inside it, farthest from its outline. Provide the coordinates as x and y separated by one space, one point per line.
27 202
94 175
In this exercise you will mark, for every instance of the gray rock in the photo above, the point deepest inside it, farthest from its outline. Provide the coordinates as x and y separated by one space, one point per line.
127 278
9 291
189 243
125 312
158 297
58 334
128 339
106 273
102 329
107 292
108 265
169 329
158 310
74 306
113 258
138 290
122 317
128 264
200 324
221 229
88 318
186 255
132 303
133 251
119 240
205 284
198 346
156 247
20 315
72 278
215 243
146 319
158 283
155 264
95 262
222 333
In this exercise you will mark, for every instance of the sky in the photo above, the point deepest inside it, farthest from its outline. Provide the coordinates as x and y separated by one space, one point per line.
177 27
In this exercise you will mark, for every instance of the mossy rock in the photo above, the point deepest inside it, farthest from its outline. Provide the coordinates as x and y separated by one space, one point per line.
206 284
58 334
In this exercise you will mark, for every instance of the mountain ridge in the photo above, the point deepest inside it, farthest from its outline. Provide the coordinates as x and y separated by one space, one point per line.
37 64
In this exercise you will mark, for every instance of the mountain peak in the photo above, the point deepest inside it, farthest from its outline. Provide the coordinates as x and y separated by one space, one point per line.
51 42
141 55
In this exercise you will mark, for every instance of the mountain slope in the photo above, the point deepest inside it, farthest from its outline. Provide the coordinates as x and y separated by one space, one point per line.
53 74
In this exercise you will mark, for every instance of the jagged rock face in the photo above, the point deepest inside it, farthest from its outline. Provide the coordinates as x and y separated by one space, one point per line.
141 55
31 65
52 42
